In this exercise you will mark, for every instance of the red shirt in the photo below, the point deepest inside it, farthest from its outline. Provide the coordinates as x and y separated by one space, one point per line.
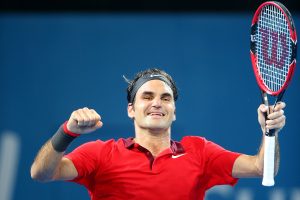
125 170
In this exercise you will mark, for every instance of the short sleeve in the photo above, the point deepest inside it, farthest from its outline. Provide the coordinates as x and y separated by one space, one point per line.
218 165
86 159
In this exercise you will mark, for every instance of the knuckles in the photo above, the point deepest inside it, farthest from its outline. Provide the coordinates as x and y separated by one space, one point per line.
85 116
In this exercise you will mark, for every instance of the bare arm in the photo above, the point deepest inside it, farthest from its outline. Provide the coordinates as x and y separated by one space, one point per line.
49 163
252 166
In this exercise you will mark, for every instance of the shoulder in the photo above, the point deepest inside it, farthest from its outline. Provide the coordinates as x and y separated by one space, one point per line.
92 148
92 152
194 145
193 141
200 145
100 143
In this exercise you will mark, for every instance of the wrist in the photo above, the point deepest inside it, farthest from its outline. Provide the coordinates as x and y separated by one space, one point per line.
67 131
63 138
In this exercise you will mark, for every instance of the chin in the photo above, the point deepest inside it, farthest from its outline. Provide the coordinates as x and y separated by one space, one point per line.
158 126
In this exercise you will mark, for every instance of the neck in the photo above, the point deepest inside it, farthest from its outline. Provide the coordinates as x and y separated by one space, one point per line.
154 141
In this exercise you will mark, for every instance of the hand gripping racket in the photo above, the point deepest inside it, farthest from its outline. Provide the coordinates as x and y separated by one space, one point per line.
273 55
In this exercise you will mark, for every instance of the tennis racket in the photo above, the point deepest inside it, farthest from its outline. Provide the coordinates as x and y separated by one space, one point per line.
273 55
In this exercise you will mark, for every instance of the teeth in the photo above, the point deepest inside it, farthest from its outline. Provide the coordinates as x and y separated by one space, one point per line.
160 114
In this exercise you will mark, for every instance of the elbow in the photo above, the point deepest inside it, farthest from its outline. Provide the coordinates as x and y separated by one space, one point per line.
39 175
40 178
33 173
260 172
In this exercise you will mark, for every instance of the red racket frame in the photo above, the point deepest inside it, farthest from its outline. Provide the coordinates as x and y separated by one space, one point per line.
253 55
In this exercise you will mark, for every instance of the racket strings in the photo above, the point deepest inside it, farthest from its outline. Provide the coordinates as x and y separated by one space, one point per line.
273 47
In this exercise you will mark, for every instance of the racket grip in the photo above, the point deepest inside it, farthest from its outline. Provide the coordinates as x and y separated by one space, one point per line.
269 157
270 132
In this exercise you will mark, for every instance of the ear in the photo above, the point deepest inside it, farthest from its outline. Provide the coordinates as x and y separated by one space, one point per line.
130 110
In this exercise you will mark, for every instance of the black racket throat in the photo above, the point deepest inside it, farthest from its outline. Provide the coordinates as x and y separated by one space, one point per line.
271 132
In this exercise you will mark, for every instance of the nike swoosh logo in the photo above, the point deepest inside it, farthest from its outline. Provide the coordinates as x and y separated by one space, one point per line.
177 156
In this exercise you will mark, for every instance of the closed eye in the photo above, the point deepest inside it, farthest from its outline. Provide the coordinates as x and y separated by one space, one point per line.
166 97
147 96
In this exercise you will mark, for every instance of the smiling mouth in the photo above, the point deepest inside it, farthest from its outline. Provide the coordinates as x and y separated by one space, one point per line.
156 114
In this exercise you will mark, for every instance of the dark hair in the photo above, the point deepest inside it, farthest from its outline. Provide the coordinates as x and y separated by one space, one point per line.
153 71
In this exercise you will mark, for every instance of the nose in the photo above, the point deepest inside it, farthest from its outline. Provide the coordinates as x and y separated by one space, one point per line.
156 102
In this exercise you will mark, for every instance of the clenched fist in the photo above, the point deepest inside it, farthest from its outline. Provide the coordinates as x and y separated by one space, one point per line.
84 120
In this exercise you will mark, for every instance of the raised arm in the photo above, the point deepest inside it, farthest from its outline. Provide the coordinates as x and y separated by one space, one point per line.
252 166
49 163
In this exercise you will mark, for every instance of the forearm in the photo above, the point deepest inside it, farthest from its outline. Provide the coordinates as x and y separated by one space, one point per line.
46 163
259 163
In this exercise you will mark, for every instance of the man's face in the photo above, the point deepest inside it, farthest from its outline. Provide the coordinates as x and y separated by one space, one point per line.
154 106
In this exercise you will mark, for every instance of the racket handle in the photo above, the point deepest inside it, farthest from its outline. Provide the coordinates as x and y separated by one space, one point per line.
269 157
270 132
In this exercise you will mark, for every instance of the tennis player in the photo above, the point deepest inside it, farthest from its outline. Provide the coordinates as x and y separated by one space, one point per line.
150 165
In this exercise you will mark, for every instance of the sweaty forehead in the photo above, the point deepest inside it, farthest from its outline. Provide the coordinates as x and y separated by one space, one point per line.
156 87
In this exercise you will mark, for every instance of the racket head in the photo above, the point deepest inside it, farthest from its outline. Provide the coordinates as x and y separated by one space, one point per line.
273 47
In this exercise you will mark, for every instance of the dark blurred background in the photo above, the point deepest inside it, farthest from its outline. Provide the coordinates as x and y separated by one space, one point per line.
57 56
138 5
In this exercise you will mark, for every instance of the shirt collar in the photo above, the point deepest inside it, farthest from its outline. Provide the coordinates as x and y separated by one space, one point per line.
175 146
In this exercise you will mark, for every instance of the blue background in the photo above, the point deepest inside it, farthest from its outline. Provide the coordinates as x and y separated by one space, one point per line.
52 64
